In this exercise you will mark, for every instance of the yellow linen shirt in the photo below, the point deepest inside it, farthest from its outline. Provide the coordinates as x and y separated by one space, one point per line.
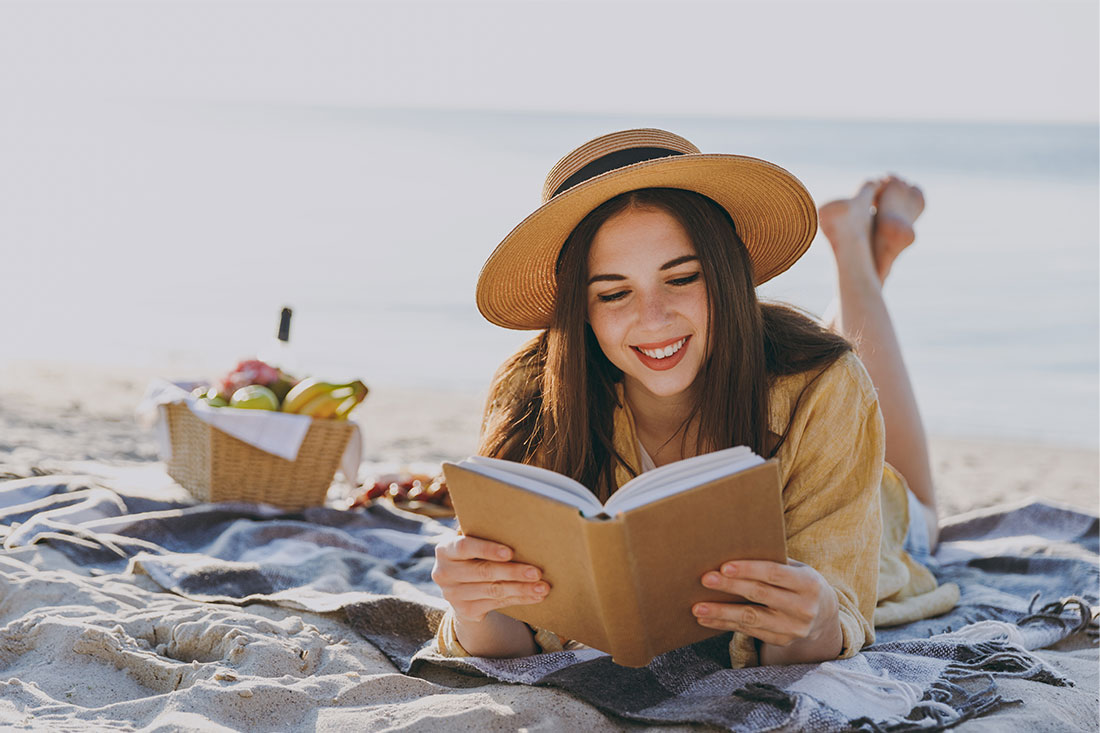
845 509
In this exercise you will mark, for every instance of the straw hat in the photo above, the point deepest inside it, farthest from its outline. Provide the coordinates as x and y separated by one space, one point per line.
773 212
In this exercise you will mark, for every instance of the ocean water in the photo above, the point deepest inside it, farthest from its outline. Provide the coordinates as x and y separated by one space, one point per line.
169 233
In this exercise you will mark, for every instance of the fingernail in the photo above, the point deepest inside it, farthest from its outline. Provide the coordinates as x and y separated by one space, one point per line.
701 610
711 579
541 588
502 553
531 573
729 569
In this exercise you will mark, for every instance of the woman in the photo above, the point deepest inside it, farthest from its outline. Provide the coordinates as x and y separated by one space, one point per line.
641 267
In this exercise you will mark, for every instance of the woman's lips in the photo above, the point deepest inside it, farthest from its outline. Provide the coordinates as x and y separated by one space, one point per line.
667 362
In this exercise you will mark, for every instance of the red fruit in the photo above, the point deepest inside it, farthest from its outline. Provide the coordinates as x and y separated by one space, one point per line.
247 372
377 490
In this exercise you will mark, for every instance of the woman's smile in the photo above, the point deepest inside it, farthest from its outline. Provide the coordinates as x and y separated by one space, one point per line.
663 355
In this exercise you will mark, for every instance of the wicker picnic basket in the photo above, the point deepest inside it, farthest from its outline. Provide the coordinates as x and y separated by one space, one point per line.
214 466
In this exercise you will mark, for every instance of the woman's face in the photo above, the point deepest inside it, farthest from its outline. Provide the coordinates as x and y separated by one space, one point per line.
647 302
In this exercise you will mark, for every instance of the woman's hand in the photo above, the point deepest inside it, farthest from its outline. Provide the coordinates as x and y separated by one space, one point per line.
797 616
476 577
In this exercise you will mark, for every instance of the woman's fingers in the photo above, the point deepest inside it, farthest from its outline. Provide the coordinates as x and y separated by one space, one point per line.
794 576
757 621
794 589
506 594
476 571
484 571
471 601
477 576
474 548
756 591
787 602
470 559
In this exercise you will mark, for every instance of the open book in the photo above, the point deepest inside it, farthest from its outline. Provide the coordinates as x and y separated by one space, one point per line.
624 575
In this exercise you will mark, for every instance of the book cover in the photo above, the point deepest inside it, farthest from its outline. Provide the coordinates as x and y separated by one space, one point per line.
626 584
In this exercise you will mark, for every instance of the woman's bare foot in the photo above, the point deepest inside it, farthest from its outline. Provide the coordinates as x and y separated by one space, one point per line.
897 206
847 224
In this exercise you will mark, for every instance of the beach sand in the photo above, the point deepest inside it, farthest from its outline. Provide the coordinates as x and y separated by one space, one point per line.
302 670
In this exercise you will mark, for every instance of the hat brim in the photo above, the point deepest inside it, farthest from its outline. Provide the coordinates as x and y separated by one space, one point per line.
773 212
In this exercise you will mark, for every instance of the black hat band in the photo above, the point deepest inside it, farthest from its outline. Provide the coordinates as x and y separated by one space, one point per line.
611 161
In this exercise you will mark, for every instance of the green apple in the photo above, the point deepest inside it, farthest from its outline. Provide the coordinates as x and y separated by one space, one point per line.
254 397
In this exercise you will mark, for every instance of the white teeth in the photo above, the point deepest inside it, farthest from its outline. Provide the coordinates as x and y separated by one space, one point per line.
664 353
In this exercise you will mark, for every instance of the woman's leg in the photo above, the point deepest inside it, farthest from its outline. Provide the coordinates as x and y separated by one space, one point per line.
867 232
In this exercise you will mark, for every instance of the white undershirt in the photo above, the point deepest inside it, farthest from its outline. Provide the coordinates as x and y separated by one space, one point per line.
647 462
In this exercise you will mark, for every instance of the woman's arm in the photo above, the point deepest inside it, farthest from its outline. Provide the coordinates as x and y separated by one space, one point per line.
496 635
477 577
831 469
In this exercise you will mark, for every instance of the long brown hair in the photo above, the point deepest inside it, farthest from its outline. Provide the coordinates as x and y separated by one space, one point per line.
553 402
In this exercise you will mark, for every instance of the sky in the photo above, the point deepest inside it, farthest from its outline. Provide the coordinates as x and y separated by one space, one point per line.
984 60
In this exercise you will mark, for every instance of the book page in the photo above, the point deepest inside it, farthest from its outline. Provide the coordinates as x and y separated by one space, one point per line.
537 480
674 478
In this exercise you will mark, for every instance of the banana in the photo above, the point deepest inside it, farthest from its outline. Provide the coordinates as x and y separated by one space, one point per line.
307 389
359 393
319 399
360 390
344 408
323 406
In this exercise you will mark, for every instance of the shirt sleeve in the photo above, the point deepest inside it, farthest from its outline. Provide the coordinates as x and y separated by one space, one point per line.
831 466
446 638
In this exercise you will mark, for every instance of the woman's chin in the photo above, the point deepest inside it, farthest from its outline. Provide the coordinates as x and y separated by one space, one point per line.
671 386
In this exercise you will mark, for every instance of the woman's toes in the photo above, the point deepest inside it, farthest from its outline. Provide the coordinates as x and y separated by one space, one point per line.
898 198
846 223
898 205
867 193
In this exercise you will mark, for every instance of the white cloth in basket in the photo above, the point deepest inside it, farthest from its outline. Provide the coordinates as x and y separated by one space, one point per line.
278 433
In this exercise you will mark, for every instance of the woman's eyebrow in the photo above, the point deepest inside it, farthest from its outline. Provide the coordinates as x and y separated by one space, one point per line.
679 261
667 266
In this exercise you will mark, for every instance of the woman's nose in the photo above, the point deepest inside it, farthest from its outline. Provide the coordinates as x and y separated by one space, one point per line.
654 308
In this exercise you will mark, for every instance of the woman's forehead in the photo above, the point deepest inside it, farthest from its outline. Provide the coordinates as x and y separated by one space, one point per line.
638 239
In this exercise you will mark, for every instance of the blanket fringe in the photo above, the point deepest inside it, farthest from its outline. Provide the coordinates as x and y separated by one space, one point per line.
1053 612
945 705
1006 660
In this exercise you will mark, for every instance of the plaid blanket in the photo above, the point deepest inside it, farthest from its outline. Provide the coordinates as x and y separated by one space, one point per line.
1029 578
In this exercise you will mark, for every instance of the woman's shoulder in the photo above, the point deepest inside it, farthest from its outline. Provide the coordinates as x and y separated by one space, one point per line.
840 386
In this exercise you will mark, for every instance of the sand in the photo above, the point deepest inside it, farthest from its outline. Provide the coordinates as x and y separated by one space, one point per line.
80 651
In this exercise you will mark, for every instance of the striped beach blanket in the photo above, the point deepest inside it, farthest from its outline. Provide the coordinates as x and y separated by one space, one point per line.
1028 575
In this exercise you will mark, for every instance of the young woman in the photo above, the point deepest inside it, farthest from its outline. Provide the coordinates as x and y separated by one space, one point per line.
640 267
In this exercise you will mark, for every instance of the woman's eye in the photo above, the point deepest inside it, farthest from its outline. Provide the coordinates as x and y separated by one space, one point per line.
686 280
609 297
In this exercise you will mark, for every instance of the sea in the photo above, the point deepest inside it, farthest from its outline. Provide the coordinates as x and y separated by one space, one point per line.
170 233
